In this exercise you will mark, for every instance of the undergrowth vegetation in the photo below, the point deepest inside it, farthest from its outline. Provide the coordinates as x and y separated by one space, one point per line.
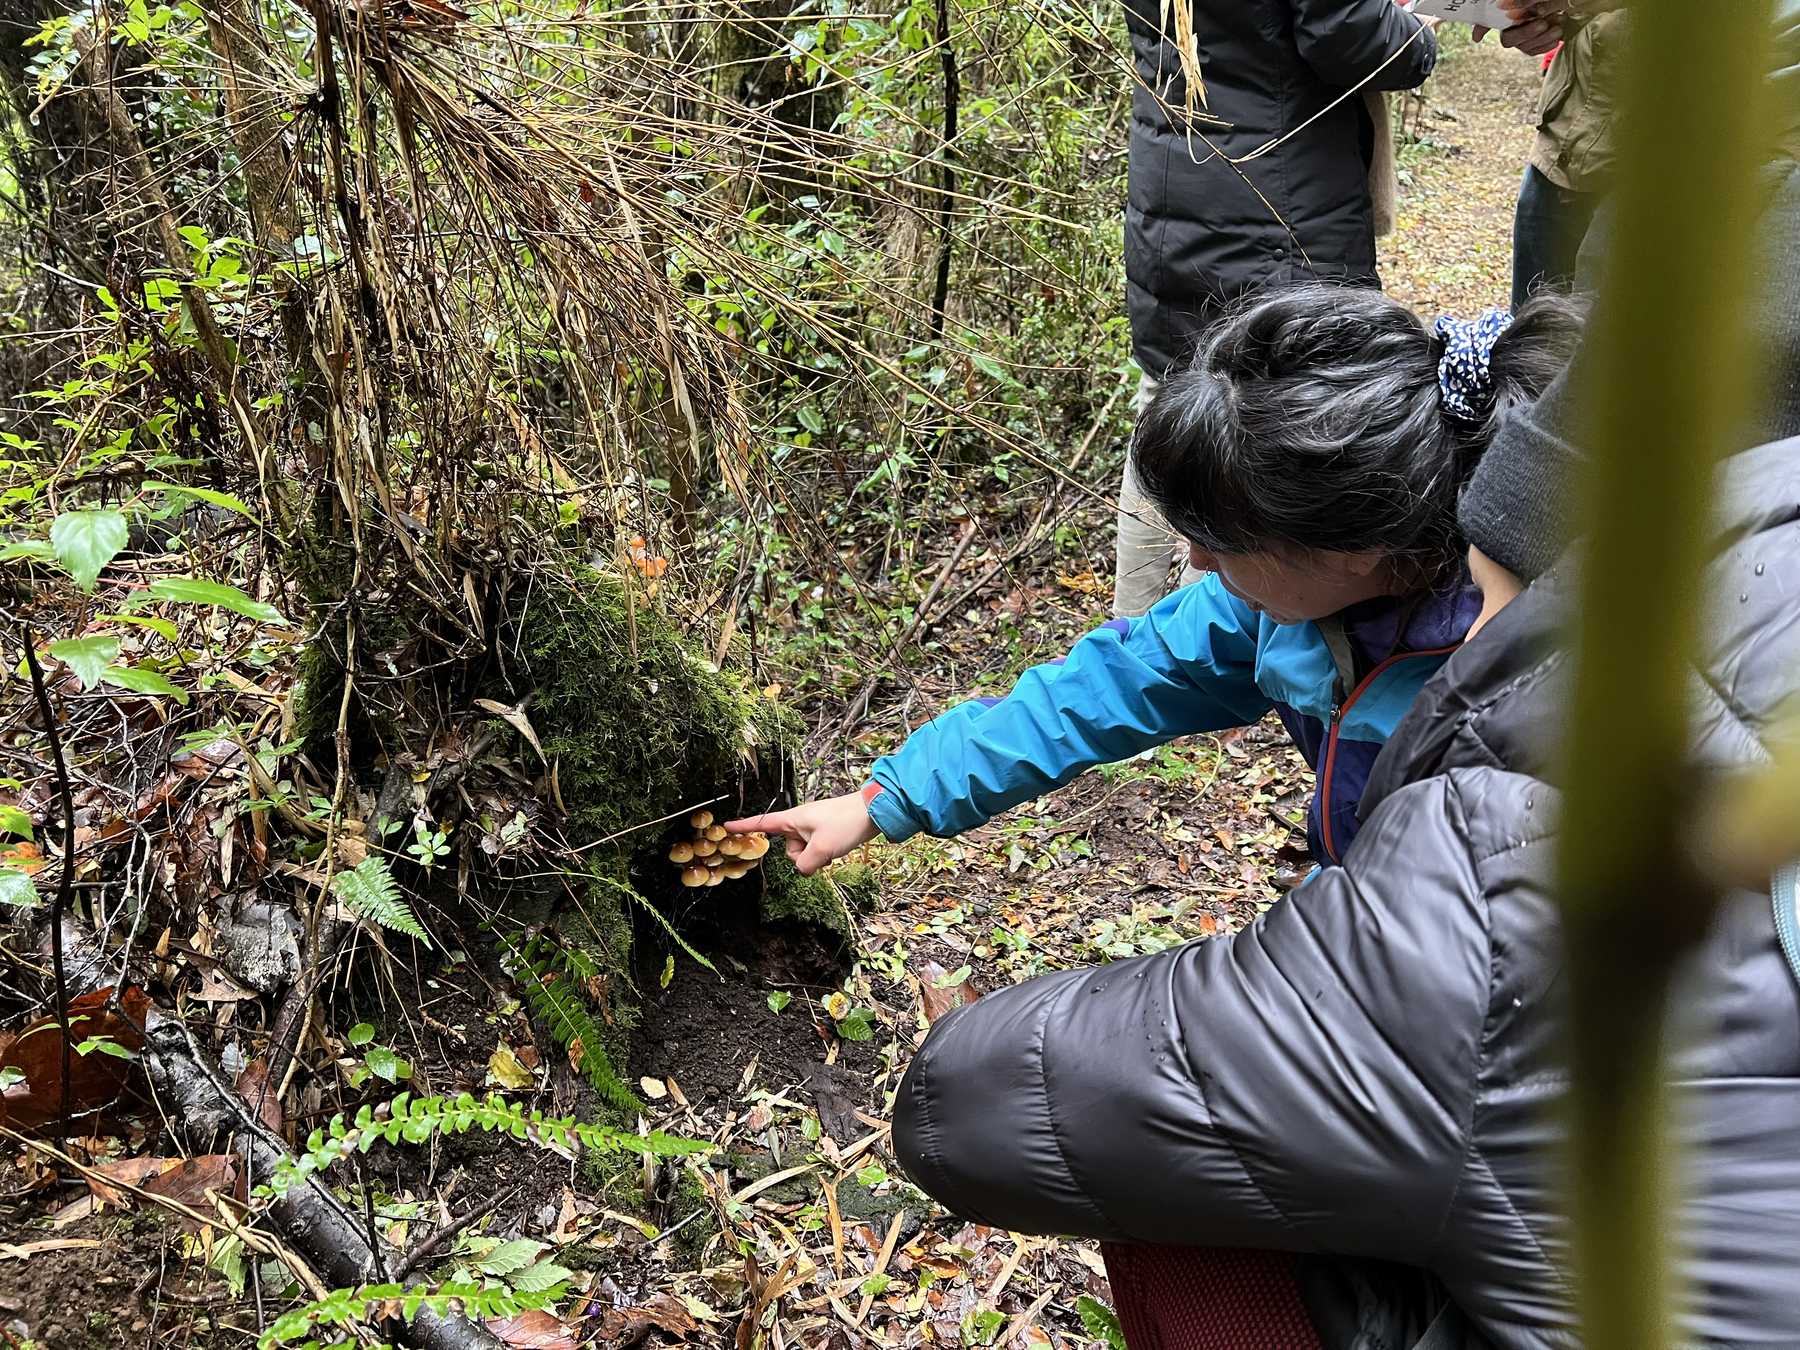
445 447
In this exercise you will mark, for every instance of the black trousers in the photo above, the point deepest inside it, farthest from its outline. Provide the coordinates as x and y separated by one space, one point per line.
1548 228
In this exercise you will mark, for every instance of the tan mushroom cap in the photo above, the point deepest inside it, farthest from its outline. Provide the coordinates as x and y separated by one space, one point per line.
736 870
715 878
716 832
704 848
681 851
694 876
731 845
700 819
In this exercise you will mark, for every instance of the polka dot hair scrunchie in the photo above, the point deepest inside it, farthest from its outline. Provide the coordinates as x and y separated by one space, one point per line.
1465 373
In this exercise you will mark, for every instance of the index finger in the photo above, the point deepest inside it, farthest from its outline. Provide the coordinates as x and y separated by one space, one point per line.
775 822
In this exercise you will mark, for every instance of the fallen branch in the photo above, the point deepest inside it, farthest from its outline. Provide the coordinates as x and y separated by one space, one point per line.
313 1221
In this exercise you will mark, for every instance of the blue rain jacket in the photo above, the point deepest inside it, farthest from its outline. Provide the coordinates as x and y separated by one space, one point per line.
1202 660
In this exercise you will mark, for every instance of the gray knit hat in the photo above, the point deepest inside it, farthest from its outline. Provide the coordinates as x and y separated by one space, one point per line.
1516 508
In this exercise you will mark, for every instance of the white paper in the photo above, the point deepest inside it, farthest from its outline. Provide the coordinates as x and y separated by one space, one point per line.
1484 12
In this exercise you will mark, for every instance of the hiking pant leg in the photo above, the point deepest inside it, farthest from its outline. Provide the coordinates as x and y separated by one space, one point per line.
1549 225
1145 547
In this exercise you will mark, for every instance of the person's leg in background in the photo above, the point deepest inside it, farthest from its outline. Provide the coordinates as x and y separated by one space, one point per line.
1145 548
1548 227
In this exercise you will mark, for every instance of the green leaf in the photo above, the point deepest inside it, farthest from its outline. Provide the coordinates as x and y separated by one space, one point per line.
779 999
161 627
139 680
223 500
194 591
876 1284
85 541
16 889
360 1034
383 1063
541 1278
106 1045
511 1256
88 657
992 368
857 1025
35 549
15 821
1100 1322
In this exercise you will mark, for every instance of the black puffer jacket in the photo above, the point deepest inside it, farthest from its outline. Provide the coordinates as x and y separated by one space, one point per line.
1200 231
1368 1069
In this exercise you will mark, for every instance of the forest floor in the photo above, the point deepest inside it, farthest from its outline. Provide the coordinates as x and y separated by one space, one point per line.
786 1058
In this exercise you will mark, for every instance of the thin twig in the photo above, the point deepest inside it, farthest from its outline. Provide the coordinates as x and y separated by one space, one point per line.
432 1245
65 881
860 704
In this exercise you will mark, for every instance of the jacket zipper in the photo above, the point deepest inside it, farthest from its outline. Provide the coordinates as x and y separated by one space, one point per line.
1331 741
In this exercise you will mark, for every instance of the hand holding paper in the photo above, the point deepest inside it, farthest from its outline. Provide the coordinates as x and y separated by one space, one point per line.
1482 13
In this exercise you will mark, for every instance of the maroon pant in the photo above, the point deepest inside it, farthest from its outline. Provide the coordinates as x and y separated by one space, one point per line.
1207 1298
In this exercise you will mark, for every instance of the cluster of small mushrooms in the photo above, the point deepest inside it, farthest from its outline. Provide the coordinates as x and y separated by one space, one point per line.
714 853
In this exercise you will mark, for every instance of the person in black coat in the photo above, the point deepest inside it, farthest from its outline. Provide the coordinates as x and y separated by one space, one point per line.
1369 1071
1267 182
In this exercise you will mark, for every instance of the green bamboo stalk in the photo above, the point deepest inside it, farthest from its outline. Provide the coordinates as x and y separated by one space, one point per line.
1665 387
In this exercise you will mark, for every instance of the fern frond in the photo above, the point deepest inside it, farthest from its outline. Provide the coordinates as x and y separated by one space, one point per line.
637 897
369 891
551 977
344 1308
413 1120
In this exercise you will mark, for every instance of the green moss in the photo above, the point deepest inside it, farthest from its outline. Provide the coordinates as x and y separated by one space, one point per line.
878 1208
637 724
826 901
318 690
690 1207
616 1182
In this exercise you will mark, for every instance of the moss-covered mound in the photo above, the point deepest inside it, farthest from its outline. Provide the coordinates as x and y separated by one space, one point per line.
637 724
639 730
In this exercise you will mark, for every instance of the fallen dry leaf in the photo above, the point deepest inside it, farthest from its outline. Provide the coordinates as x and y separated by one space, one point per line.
186 1181
129 1171
23 856
935 998
505 1069
624 1327
533 1330
253 1086
96 1079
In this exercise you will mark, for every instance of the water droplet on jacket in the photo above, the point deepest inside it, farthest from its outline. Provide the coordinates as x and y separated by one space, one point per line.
1759 568
1743 599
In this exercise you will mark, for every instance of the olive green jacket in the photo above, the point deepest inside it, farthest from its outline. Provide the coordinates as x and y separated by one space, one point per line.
1574 146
